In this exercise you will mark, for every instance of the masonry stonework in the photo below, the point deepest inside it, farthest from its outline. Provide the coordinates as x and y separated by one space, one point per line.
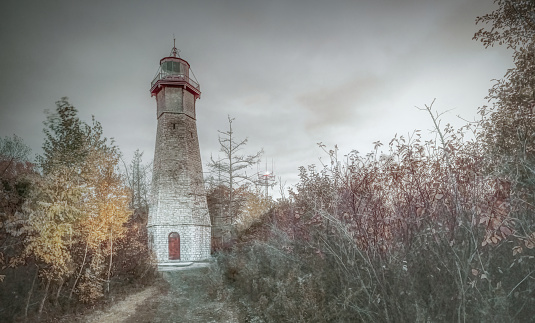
178 203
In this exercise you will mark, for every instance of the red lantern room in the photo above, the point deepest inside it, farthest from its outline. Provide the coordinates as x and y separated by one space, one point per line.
174 71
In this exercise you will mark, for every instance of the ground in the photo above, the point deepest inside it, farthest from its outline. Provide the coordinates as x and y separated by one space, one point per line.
184 295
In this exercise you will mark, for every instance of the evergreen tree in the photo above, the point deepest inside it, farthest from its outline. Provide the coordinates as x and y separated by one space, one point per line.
64 138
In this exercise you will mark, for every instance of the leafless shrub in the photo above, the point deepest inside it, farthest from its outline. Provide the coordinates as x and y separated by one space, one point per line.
421 232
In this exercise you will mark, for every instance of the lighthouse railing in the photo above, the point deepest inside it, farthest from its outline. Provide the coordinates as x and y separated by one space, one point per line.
175 77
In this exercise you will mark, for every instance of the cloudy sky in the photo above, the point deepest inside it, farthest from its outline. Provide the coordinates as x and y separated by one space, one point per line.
292 73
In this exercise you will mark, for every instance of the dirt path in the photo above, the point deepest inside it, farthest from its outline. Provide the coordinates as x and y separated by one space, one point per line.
188 297
122 311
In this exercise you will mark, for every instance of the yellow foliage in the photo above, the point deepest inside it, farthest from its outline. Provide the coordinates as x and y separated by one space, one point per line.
256 205
52 211
75 207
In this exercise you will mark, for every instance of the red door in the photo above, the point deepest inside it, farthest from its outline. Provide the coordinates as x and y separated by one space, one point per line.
174 246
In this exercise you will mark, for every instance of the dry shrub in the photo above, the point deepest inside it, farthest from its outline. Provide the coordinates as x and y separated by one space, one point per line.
273 285
419 233
134 261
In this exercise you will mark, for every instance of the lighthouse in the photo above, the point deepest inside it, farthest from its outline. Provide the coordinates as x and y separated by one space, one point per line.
178 224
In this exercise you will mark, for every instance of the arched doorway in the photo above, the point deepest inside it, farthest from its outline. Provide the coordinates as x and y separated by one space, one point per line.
174 246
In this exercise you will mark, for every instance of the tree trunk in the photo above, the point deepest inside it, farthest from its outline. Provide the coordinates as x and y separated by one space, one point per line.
42 305
56 299
111 260
8 164
30 293
79 273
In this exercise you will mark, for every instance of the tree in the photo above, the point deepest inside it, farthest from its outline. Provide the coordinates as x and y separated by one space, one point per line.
64 139
108 202
78 207
57 203
255 207
509 125
138 179
14 170
12 150
228 177
52 214
15 184
513 25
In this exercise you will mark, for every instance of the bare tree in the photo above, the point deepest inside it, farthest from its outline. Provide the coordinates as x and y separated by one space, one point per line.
12 150
228 175
138 180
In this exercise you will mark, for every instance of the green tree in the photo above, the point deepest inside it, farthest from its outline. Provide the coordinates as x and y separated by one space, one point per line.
64 139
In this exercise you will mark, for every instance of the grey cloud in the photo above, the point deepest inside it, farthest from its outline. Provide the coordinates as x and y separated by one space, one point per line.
291 72
332 106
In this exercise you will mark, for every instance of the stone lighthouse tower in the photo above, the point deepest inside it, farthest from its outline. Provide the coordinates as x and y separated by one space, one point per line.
178 224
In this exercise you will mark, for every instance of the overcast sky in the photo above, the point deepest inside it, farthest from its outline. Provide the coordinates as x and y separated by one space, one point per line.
292 73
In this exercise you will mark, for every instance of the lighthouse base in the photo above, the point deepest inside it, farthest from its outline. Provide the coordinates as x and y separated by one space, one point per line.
180 243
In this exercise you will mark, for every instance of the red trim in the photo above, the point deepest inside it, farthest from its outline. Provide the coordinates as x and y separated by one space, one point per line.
157 87
170 58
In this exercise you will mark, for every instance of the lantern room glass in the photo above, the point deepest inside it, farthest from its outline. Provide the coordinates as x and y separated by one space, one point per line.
172 68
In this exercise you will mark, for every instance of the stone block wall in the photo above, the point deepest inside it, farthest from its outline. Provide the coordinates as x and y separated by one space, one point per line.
194 241
178 202
175 100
